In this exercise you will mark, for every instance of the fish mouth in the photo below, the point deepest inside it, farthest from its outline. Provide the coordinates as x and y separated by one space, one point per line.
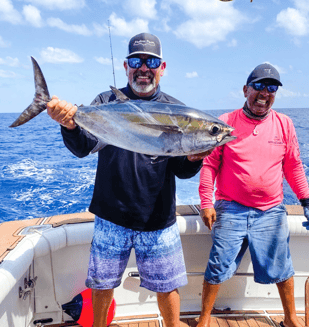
226 139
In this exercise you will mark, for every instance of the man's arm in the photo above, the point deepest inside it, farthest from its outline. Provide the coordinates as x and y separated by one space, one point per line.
208 176
294 172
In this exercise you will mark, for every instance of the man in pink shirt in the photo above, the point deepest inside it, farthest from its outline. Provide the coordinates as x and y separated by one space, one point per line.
249 211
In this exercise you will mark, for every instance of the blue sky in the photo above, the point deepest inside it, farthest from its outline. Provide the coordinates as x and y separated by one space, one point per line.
210 47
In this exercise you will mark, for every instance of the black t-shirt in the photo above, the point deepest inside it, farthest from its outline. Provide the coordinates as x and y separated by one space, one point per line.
129 190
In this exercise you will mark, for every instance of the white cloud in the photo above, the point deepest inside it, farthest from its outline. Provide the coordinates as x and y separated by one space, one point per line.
293 21
3 43
191 75
56 56
119 26
9 61
163 25
76 29
118 64
100 30
141 8
237 94
59 4
232 43
7 74
302 5
33 16
283 93
8 13
281 70
210 21
103 61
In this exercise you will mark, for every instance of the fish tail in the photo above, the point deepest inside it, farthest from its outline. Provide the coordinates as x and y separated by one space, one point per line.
40 100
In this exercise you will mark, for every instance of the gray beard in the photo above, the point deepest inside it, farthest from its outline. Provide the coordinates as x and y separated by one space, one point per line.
142 89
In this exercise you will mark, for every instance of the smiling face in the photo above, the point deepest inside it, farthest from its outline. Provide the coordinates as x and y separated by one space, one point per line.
144 81
259 102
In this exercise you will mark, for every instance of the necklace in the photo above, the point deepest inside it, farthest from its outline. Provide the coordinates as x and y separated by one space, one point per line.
250 115
255 131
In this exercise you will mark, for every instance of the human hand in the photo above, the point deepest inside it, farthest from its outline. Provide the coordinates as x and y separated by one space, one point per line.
208 216
62 112
306 213
199 156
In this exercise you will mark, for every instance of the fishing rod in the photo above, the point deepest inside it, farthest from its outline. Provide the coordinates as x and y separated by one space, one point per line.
110 41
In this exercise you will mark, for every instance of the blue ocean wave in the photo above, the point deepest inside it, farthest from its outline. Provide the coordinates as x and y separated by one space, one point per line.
39 177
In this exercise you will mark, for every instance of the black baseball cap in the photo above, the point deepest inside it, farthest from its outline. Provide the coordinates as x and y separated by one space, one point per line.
264 71
145 43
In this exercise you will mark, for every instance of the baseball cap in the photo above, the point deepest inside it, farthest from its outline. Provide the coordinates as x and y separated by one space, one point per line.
145 43
264 71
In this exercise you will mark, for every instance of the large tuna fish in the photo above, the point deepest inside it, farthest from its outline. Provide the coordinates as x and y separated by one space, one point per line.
149 127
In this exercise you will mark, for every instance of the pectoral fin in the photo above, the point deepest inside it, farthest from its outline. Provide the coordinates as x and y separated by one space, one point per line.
164 128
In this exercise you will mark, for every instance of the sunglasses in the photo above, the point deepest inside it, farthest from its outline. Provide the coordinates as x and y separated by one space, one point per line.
151 63
261 87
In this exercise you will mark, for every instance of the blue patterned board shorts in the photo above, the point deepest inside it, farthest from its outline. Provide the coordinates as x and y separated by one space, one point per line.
159 257
267 235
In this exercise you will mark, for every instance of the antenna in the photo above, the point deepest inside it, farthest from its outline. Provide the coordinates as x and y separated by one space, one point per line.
110 41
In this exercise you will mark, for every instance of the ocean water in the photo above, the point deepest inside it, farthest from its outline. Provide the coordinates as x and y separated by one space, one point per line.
39 177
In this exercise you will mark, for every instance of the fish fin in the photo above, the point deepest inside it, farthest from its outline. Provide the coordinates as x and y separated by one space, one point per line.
164 128
155 160
99 146
119 95
40 100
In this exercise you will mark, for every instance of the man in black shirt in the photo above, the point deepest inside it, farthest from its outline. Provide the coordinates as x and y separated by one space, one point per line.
133 199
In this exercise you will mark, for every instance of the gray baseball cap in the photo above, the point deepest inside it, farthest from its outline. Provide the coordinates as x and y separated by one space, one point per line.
145 43
264 71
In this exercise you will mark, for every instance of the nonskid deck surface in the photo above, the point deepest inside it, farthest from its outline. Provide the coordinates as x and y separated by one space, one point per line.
219 319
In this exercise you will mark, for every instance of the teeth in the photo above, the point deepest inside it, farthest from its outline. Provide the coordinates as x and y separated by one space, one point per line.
261 101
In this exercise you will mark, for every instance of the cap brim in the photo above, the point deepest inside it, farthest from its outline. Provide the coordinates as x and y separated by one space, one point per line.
268 78
143 52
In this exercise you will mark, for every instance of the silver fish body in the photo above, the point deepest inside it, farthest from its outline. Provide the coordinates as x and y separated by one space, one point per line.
158 129
149 127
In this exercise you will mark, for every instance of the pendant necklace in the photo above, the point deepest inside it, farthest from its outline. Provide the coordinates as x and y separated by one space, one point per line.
255 132
250 115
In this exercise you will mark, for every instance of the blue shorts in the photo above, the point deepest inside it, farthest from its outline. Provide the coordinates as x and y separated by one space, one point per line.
267 235
159 257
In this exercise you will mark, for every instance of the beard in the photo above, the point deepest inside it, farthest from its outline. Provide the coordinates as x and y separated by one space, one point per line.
144 87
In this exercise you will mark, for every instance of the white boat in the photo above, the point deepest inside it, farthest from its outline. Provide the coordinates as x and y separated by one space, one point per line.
44 264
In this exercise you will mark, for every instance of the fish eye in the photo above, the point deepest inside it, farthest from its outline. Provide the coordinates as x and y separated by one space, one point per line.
214 129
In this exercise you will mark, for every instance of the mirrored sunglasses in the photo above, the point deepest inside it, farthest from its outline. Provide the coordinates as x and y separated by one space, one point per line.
261 87
151 63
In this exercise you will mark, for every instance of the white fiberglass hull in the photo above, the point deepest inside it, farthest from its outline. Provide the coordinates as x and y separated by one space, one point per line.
57 257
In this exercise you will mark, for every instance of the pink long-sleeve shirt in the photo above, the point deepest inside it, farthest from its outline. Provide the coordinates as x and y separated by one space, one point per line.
250 169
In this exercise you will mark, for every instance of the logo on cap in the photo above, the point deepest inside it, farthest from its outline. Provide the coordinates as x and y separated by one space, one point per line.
144 42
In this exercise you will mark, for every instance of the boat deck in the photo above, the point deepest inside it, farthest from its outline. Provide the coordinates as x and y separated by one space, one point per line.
219 319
